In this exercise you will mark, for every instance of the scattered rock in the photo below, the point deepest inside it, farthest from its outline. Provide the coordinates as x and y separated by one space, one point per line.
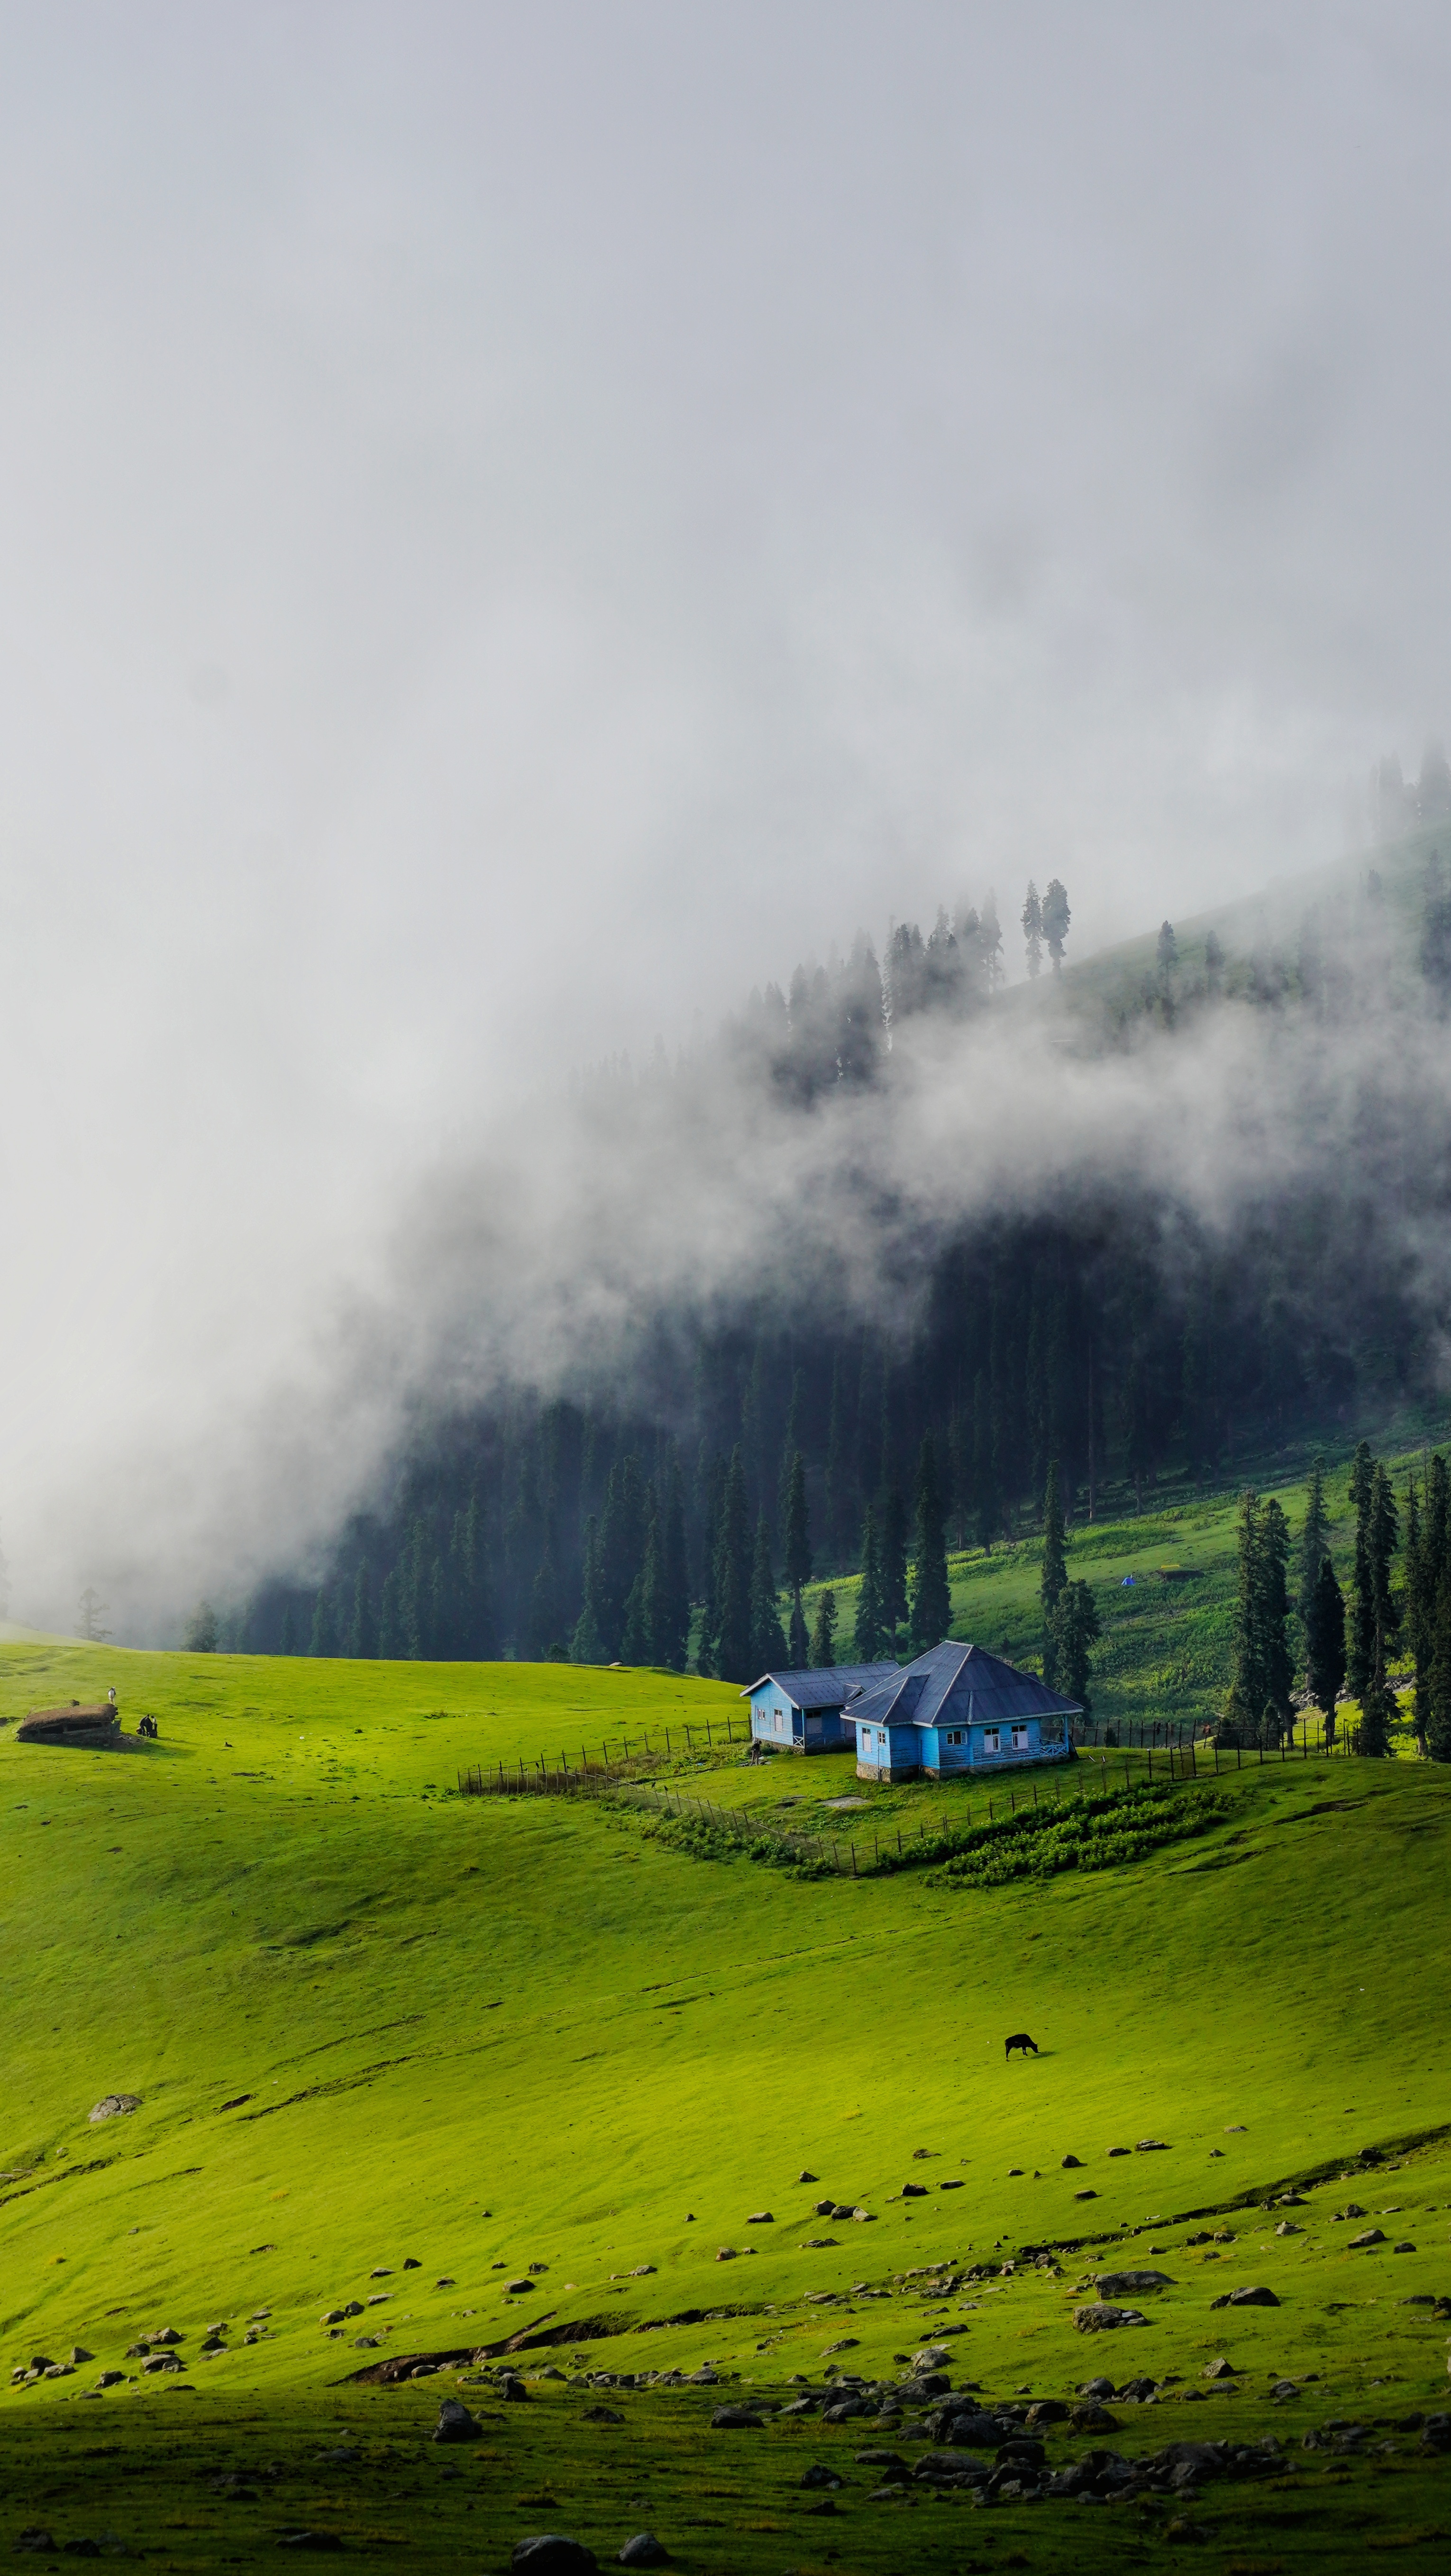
1287 2227
411 2262
848 2343
761 2218
955 2185
1405 2246
601 2415
1071 2164
1085 2195
308 2540
167 2334
1251 2299
1100 2314
914 2191
516 2289
111 2379
1049 2410
35 2536
512 2389
643 2551
1151 2146
819 2477
550 2554
735 2419
1220 2369
806 2176
381 2272
333 2316
1097 2389
455 2423
1120 2151
449 2283
1284 2388
814 2244
824 2209
1110 2284
354 2308
1092 2418
1436 2433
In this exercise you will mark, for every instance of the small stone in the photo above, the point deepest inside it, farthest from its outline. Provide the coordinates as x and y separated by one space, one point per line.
354 2308
111 2379
643 2551
115 2106
1252 2299
1220 2369
517 2289
1284 2388
411 2262
761 2218
848 2343
914 2191
735 2419
332 2316
806 2176
512 2389
1150 2146
80 2354
1120 2151
1097 2389
168 2334
550 2554
1085 2195
1100 2314
1092 2418
1405 2246
817 2476
381 2272
1071 2164
601 2415
447 2283
1287 2227
1110 2285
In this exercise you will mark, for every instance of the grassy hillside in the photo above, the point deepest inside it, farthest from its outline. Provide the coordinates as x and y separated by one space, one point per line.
371 2023
1167 1649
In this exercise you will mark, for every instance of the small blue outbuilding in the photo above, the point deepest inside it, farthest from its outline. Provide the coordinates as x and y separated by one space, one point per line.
803 1712
958 1708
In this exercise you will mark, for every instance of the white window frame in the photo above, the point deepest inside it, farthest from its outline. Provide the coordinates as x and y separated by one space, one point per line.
1020 1738
992 1741
954 1735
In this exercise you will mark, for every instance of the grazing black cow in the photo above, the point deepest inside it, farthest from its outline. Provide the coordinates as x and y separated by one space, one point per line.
1020 2040
147 1727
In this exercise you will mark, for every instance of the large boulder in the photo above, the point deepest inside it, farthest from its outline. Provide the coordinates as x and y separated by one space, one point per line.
114 2106
1112 2285
643 2550
1098 2316
735 2419
455 2423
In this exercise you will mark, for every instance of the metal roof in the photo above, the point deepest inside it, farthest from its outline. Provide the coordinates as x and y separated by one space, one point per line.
830 1686
956 1685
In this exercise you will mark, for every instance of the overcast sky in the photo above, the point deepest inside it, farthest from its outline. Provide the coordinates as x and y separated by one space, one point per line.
520 522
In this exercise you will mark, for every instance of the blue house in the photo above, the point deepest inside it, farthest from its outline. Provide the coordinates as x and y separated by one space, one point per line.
803 1712
958 1708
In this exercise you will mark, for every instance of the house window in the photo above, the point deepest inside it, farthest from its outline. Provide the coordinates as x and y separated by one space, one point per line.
780 1721
881 1739
1020 1739
954 1735
991 1740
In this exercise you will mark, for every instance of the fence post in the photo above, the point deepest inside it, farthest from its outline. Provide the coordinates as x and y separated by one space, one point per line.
707 1731
853 1860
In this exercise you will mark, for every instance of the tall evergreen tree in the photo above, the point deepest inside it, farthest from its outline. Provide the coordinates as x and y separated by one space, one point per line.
823 1635
797 1554
1325 1645
324 1634
768 1642
1055 917
838 1497
872 1640
390 1624
798 1642
894 1564
587 1645
1259 1698
731 1646
670 1643
931 1595
642 1604
1075 1631
363 1635
619 1549
1055 1572
544 1634
984 1475
1314 1543
1438 1713
1031 917
1423 1589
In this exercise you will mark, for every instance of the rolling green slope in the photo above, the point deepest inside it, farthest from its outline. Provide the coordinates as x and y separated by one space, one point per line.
371 2023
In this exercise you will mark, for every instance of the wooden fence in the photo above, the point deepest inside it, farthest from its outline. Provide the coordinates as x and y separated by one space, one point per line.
1179 1764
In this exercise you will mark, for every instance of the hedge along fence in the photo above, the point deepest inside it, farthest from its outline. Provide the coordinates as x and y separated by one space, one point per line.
1098 1786
543 1777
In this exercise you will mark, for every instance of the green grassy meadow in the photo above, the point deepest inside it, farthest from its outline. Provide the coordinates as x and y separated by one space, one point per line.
373 2024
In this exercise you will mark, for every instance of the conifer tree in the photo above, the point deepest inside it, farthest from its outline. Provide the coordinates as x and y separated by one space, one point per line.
1423 1589
324 1636
1032 921
823 1635
837 1474
544 1633
1325 1644
587 1646
1075 1630
894 1564
1375 1615
285 1643
732 1643
768 1643
670 1642
642 1602
1438 1713
984 1480
797 1559
363 1636
931 1594
1055 917
798 1642
1314 1542
1055 1572
390 1626
1259 1696
872 1643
